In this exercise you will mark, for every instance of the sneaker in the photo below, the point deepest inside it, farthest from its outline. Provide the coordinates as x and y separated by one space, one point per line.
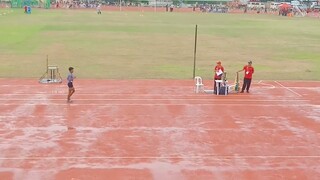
241 92
247 91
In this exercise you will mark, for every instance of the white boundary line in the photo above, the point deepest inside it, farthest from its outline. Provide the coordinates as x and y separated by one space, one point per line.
270 85
157 157
288 89
189 86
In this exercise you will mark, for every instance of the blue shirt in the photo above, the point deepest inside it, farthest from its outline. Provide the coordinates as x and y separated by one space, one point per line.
70 77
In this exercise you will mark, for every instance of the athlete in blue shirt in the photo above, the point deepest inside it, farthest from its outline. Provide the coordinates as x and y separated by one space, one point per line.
70 79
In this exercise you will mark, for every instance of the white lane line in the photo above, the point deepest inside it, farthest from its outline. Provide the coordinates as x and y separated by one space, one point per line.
307 88
142 130
102 86
191 94
288 89
159 157
29 116
131 99
159 104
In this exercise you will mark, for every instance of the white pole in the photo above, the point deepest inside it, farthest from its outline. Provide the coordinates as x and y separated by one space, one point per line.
155 6
120 5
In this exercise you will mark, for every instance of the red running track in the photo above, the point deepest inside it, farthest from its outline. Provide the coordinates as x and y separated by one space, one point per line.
158 129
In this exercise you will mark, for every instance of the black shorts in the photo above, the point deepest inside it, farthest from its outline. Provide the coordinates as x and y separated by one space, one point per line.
70 84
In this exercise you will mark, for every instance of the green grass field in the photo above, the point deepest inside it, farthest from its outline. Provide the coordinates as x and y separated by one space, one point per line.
131 45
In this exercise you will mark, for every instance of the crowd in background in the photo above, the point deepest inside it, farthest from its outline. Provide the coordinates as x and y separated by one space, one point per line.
205 7
89 4
75 4
233 6
213 8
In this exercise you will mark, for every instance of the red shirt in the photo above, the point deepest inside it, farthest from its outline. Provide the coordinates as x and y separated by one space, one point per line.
216 69
248 71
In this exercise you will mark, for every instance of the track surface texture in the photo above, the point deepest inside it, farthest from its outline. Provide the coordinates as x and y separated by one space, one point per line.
158 129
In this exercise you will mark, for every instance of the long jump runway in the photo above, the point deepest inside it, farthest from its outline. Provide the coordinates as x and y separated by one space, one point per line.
158 129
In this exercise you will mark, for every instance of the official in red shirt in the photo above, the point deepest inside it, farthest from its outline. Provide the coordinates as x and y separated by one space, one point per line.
248 71
218 72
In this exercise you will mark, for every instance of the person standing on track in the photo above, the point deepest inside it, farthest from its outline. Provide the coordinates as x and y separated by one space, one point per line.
248 71
98 9
70 79
218 72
